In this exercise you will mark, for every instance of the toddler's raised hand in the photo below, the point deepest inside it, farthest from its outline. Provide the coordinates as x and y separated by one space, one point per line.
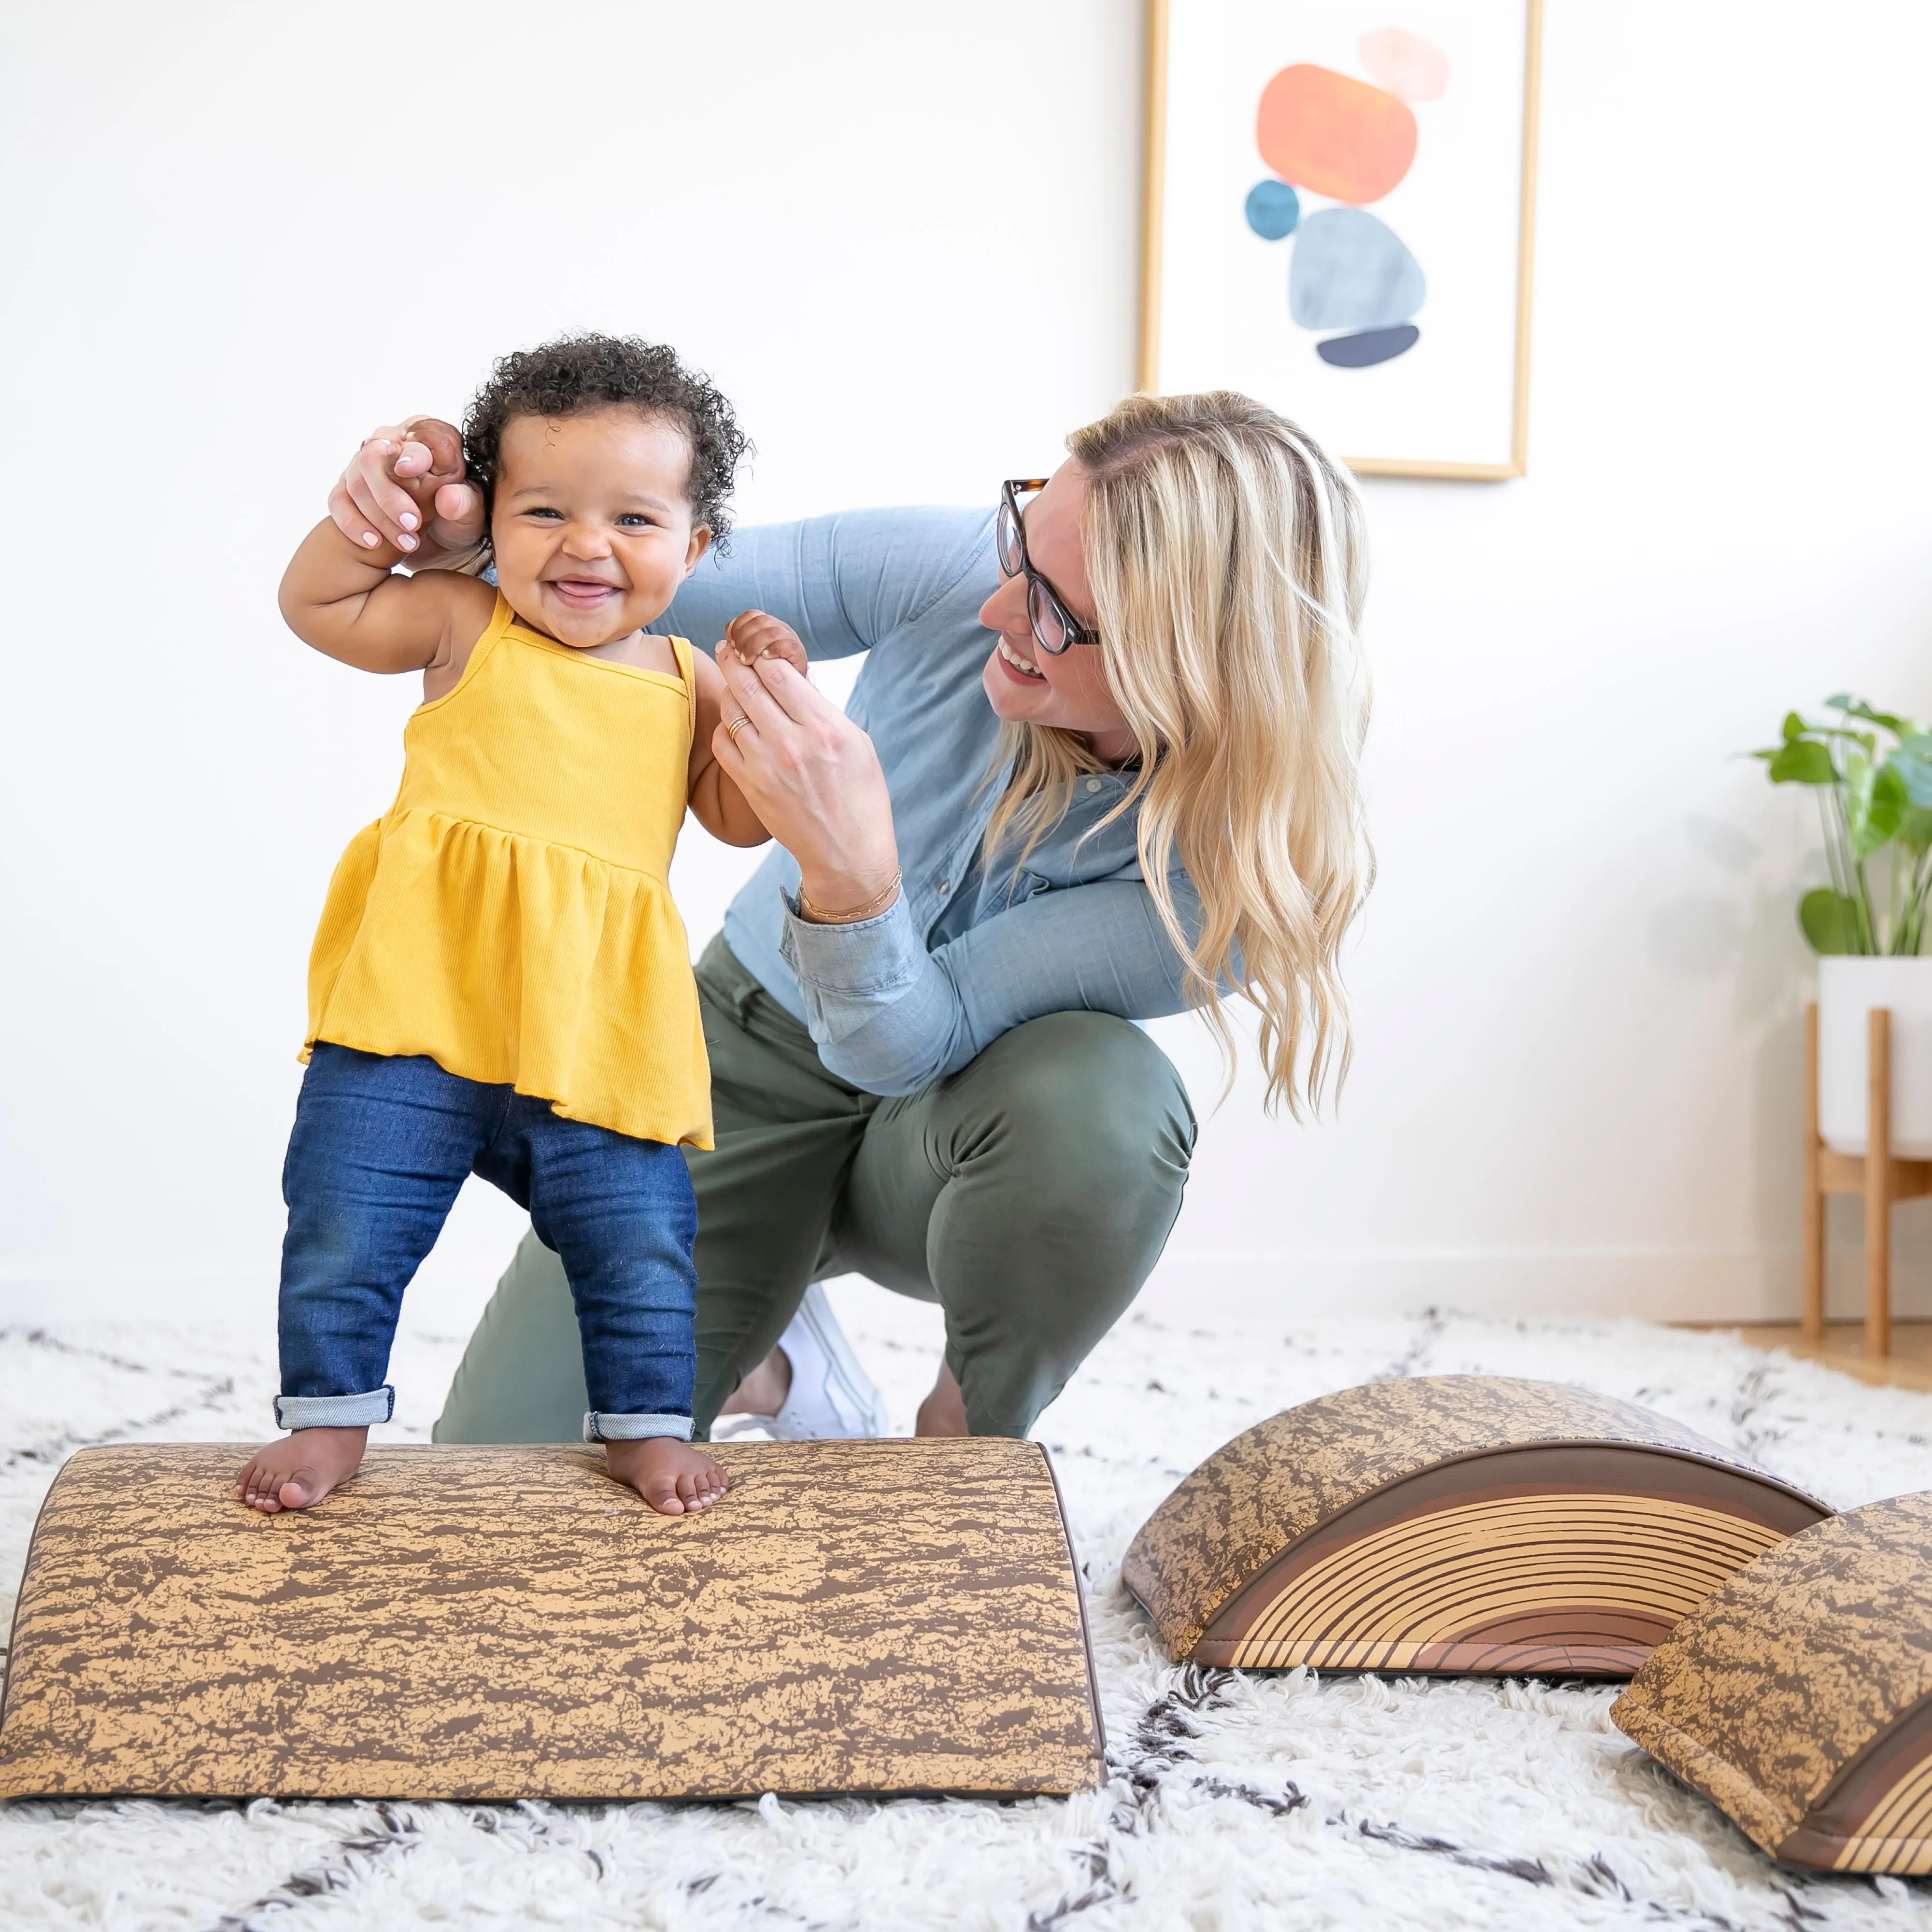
406 486
753 634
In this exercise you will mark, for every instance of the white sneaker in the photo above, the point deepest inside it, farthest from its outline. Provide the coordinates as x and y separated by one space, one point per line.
832 1396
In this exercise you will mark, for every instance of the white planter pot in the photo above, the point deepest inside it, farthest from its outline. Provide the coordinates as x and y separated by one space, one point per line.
1848 987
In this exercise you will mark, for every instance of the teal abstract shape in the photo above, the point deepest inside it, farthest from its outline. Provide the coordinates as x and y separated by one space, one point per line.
1351 271
1272 209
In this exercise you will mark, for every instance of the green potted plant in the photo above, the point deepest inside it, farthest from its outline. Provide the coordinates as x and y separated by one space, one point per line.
1871 772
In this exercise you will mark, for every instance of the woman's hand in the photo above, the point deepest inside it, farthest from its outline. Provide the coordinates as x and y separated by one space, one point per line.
811 775
405 486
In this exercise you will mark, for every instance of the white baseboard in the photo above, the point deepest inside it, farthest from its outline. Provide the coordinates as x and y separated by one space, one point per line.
31 1295
1651 1284
1260 1288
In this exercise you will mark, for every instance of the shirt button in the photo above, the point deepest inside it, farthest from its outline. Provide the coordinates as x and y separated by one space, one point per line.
946 885
1093 784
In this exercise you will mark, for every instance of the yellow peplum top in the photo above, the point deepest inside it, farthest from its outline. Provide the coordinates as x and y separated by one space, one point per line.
508 915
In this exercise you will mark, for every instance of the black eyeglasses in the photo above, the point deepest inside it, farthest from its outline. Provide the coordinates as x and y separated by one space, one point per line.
1054 628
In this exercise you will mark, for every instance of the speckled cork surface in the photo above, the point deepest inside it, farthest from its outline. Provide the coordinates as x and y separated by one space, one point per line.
1796 1698
1237 1513
499 1623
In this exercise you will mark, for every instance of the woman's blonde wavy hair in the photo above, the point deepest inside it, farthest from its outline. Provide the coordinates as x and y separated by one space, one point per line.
1225 554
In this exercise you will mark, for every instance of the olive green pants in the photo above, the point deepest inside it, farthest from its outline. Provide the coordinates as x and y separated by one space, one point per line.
1029 1195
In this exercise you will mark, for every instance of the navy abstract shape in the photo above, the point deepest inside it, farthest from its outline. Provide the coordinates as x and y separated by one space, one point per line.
1272 209
1371 347
1351 271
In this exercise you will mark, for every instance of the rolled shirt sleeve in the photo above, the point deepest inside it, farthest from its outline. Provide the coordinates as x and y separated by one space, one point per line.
891 1017
844 583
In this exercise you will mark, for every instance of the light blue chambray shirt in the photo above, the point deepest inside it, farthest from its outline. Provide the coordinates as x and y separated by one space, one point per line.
962 955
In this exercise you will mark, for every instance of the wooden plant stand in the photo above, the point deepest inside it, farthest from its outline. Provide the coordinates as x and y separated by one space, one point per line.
1877 1176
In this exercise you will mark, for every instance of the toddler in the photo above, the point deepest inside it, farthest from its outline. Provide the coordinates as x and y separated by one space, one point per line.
500 984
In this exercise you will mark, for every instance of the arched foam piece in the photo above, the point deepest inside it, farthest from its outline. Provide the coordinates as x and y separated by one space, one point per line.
501 1623
1799 1698
1453 1523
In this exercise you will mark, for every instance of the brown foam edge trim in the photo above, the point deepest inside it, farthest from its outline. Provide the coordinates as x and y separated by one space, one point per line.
26 1570
1181 1642
1080 1601
1836 1817
1761 1818
1539 1470
1487 1658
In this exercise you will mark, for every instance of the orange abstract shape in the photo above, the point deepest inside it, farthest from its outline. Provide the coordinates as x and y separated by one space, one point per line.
1406 64
1321 130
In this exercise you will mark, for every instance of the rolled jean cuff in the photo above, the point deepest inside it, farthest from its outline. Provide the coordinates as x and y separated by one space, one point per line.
335 1412
601 1427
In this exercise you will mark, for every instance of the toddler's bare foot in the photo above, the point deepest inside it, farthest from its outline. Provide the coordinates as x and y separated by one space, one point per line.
673 1476
300 1469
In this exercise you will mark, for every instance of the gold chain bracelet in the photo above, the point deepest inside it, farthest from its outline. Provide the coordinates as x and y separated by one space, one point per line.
818 916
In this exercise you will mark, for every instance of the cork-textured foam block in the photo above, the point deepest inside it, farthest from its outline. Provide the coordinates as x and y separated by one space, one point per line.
1455 1524
1799 1698
501 1623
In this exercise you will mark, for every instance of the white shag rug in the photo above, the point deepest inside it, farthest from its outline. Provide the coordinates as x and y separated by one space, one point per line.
1234 1801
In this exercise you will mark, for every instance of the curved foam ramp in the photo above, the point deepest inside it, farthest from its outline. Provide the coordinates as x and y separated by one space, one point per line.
1799 1698
503 1623
1453 1523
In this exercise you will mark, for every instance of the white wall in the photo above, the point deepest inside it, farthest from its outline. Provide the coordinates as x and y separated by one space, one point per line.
904 240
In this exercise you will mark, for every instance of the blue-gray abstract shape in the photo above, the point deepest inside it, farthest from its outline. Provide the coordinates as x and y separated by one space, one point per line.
1373 345
1351 271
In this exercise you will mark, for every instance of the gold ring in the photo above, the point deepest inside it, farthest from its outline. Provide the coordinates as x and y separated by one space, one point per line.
736 725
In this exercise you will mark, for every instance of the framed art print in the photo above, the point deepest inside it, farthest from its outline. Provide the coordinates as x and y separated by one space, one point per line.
1340 198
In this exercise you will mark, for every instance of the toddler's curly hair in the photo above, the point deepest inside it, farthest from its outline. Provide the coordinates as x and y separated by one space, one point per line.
577 373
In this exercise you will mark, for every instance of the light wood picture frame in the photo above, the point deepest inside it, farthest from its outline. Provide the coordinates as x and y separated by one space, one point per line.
1381 161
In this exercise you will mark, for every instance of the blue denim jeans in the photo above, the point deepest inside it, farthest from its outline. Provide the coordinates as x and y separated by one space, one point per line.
381 1146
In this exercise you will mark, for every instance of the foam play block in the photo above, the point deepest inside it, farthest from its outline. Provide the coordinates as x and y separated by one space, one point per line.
1799 1698
501 1623
1456 1524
